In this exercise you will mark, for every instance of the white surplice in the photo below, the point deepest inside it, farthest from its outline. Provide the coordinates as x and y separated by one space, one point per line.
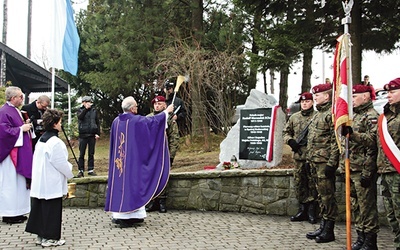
14 197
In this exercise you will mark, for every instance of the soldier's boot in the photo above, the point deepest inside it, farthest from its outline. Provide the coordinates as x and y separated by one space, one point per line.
327 234
360 241
312 212
152 206
313 235
301 214
163 205
370 242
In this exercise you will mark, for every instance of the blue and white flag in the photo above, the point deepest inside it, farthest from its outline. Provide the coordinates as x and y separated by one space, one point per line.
65 42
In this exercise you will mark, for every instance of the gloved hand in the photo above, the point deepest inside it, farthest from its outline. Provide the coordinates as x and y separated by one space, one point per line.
365 181
294 145
346 130
330 172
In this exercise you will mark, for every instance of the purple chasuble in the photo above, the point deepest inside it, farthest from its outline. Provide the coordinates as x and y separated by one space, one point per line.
10 123
139 161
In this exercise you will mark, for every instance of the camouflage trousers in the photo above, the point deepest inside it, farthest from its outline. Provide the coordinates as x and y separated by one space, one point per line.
364 204
326 191
391 194
304 185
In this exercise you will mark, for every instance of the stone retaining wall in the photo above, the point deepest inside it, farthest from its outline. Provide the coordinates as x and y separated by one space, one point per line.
255 191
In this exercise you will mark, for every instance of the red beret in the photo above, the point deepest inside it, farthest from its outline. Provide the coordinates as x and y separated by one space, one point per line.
393 84
305 96
158 98
321 88
360 88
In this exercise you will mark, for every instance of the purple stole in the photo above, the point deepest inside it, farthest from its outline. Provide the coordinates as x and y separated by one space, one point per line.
139 161
10 123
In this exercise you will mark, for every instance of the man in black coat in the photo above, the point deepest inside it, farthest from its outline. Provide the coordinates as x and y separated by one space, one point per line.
89 132
35 112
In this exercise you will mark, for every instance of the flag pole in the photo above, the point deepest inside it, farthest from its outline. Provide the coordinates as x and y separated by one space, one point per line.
53 53
53 79
69 111
347 6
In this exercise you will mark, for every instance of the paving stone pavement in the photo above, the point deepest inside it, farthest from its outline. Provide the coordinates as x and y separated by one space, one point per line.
92 229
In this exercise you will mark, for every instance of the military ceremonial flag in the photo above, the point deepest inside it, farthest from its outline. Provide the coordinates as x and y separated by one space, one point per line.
342 111
342 99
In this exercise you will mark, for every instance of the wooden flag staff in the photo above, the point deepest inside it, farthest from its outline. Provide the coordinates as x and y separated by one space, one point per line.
347 6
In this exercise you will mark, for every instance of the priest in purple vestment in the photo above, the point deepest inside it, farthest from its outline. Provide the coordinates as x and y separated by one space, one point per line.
15 159
139 163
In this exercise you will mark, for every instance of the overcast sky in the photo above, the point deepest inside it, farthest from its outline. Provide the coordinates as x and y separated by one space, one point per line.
380 68
41 25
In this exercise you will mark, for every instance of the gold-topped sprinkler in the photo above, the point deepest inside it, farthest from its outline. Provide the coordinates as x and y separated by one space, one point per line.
71 190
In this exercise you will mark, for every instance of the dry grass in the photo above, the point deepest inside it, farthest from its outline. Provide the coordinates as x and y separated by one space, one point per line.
190 157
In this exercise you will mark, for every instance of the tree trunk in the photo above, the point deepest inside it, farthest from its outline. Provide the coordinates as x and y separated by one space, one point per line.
307 70
4 39
254 50
29 37
5 16
356 50
197 22
199 119
265 82
307 52
283 88
272 75
200 126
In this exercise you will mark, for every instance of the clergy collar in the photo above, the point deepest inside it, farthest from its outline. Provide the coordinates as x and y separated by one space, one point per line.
10 104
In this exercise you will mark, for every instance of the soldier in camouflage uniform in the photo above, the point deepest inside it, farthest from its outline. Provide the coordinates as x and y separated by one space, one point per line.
295 136
363 169
323 156
388 140
159 104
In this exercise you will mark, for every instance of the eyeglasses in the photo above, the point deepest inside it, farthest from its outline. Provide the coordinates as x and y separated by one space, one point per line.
20 96
43 106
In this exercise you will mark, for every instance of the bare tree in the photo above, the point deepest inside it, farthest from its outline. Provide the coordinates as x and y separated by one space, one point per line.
4 40
210 95
29 37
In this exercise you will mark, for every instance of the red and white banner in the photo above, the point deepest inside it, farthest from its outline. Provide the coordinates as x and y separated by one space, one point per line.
270 145
390 149
342 86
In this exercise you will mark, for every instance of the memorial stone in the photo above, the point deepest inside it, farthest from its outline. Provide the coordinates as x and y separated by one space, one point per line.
231 144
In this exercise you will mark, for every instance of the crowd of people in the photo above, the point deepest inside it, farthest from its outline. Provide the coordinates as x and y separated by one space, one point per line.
32 180
373 150
34 162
